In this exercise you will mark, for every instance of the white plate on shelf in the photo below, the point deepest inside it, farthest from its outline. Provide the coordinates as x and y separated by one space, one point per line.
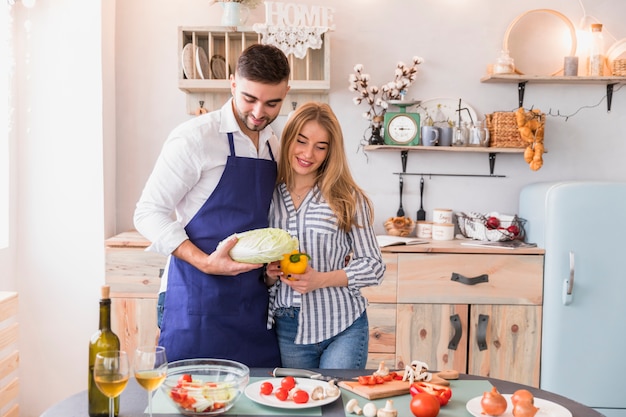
253 392
617 50
188 61
202 64
444 109
218 67
546 408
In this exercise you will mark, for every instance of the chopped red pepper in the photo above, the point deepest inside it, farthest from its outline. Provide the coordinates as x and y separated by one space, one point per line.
441 392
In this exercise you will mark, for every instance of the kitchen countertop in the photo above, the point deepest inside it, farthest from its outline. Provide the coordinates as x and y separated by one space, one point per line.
134 401
456 246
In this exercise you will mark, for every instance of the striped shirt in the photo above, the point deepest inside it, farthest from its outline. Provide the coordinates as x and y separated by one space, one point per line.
326 312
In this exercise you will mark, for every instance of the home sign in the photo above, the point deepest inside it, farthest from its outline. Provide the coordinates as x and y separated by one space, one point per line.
298 15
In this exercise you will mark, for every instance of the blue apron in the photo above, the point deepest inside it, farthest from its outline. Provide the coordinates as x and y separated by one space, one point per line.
215 316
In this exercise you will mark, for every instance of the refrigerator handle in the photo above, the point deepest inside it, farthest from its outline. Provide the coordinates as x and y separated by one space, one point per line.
568 284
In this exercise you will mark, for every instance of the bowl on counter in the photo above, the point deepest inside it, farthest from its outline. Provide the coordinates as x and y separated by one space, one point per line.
205 387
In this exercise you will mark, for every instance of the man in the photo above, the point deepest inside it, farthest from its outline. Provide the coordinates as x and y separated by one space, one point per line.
217 173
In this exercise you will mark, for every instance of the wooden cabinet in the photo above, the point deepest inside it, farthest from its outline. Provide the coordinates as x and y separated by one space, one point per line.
9 355
134 277
208 56
489 326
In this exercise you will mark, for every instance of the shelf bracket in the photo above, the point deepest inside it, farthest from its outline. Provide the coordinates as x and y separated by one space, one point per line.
609 96
521 87
492 162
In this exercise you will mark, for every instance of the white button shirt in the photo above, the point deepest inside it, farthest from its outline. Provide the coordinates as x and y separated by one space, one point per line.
187 171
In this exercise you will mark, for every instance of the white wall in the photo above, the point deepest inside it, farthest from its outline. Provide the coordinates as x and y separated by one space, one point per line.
457 39
57 187
74 186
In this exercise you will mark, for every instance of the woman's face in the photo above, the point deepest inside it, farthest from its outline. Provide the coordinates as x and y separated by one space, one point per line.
310 149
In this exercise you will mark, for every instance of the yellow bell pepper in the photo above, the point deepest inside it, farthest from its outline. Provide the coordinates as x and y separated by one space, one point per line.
294 262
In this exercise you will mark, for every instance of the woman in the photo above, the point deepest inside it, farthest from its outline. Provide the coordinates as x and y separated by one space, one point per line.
320 315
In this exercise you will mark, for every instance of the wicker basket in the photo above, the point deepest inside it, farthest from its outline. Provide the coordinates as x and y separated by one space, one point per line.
503 131
619 67
474 226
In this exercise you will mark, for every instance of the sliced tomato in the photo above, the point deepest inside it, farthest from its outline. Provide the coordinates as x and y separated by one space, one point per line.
184 378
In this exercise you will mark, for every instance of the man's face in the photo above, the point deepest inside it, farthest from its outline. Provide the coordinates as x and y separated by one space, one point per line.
256 104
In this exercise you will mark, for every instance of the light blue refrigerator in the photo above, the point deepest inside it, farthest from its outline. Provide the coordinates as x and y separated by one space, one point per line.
582 227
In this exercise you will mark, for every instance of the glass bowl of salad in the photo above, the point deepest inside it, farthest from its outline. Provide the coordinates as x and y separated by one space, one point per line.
205 387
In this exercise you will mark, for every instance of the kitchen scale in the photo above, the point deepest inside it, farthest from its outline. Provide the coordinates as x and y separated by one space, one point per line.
402 127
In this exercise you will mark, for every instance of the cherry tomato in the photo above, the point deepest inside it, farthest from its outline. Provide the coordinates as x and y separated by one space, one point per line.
424 405
282 394
267 388
288 383
300 397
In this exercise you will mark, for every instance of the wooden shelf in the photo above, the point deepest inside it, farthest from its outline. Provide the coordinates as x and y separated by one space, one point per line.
309 79
556 79
464 149
522 79
404 150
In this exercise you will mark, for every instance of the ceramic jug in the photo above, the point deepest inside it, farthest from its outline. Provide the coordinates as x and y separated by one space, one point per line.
234 13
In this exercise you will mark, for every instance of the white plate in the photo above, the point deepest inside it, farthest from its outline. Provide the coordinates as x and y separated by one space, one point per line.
617 50
253 392
537 40
546 408
218 67
444 109
188 61
202 63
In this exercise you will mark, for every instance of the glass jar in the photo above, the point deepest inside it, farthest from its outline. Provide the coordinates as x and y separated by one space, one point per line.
504 64
596 51
479 134
461 135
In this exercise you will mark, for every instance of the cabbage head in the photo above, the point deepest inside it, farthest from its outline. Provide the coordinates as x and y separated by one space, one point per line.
261 246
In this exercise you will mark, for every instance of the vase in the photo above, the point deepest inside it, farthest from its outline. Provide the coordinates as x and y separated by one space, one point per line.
234 13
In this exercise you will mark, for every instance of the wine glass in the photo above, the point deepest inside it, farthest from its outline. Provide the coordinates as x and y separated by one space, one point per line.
110 373
150 368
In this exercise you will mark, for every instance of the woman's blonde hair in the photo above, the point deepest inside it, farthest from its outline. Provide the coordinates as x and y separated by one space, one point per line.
333 176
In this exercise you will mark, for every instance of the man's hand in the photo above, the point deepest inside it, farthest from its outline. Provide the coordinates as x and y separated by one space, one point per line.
218 262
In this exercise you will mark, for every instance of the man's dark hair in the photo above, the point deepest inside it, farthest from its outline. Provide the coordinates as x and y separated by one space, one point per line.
263 63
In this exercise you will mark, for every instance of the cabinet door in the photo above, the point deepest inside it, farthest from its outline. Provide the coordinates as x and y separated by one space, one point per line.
382 331
134 321
505 342
425 331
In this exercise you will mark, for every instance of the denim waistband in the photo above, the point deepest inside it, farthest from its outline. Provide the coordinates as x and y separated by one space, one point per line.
287 312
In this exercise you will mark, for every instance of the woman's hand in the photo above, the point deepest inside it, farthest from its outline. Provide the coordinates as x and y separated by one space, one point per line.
309 281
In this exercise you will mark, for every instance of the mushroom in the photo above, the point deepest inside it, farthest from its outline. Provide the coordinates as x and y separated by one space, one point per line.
382 369
369 410
353 407
318 393
388 411
332 390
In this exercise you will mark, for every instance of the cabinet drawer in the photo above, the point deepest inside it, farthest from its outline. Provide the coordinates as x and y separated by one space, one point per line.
133 272
511 279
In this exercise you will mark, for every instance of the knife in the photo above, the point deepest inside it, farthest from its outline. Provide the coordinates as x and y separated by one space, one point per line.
304 373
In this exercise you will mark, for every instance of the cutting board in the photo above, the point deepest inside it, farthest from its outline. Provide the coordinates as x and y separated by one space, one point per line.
374 392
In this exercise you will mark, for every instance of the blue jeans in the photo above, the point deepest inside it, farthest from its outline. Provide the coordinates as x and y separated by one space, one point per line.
347 350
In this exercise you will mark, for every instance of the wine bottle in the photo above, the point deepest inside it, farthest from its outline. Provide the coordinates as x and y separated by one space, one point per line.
102 340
